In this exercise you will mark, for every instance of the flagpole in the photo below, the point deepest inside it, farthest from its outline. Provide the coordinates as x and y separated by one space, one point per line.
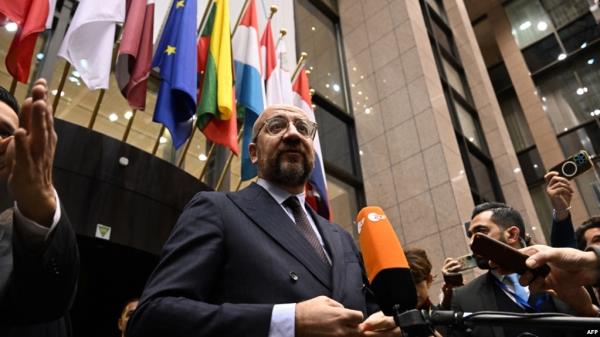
303 57
205 15
160 133
61 86
113 60
282 34
208 155
129 125
96 109
237 23
273 10
187 146
13 86
226 168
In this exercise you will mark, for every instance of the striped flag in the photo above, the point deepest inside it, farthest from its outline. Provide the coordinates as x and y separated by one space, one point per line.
135 53
89 41
175 55
316 187
31 17
249 85
217 117
279 84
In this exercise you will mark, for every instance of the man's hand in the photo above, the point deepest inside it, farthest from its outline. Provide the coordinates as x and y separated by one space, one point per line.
451 266
379 325
570 270
322 316
30 180
560 192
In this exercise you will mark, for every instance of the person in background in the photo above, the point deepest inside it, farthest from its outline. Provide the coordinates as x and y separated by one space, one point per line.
128 310
39 259
420 266
494 290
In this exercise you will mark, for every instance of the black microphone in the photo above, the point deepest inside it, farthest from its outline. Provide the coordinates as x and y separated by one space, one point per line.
385 263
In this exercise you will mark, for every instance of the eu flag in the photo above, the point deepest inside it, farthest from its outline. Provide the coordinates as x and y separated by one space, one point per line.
176 56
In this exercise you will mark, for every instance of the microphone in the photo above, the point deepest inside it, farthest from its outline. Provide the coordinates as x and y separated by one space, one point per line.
385 263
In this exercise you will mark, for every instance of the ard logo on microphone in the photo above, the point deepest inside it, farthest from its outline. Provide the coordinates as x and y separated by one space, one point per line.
373 217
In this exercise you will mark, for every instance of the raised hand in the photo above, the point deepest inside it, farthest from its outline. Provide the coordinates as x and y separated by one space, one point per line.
30 180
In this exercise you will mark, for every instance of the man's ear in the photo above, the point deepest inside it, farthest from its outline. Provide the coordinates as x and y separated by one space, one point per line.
512 235
252 152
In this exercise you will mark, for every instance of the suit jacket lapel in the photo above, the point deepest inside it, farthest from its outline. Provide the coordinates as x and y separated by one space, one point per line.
333 242
488 300
264 211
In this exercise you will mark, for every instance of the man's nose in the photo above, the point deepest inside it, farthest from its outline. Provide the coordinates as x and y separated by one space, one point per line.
291 131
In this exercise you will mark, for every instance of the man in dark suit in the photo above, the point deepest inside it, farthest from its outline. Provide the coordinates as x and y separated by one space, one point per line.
258 262
497 292
39 261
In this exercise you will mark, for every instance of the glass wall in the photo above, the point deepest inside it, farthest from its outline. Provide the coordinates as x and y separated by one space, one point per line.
474 151
571 94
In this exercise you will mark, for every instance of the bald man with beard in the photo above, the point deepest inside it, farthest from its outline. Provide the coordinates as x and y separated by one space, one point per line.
258 262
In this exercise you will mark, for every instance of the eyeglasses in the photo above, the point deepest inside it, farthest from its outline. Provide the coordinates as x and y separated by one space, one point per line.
279 124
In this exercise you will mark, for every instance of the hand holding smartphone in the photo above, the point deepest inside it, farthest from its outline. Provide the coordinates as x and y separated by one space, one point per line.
505 256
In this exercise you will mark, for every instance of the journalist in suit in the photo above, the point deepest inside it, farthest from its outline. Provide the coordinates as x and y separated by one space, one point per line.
238 264
39 260
496 291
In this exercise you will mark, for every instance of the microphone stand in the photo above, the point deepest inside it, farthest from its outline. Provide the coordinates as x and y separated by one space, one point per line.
420 323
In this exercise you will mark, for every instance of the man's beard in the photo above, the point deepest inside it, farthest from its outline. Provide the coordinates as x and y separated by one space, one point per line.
286 173
482 262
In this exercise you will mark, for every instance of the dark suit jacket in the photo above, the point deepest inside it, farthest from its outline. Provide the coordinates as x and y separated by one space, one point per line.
42 285
479 295
230 258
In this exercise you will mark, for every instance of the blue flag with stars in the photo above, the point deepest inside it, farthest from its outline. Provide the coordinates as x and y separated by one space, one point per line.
176 56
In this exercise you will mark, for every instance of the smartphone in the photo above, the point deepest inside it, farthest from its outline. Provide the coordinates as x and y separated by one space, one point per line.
574 165
455 280
467 262
505 256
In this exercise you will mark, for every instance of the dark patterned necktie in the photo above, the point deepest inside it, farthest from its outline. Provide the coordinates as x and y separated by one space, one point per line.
304 226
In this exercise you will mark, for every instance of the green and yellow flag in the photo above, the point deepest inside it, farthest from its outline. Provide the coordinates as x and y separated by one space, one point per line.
216 109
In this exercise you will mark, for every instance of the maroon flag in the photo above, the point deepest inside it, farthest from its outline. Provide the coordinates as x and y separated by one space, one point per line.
135 52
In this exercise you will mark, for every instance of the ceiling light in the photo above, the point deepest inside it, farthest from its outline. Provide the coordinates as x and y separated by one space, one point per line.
367 111
202 157
39 56
336 87
525 25
583 45
590 61
11 27
113 117
128 115
580 91
562 56
162 140
542 26
517 170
